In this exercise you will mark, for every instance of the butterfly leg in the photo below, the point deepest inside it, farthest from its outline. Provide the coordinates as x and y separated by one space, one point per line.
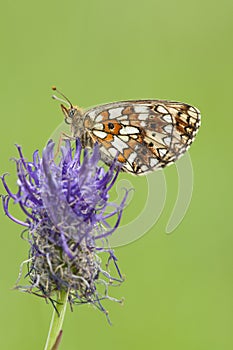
63 137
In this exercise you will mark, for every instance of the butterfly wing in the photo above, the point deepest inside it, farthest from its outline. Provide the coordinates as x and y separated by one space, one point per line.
145 135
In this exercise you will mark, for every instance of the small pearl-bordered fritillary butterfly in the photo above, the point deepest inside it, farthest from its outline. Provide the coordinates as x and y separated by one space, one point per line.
144 135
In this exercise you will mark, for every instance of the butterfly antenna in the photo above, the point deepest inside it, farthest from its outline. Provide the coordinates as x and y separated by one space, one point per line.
59 99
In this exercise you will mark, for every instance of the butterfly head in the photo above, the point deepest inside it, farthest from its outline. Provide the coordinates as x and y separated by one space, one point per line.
71 113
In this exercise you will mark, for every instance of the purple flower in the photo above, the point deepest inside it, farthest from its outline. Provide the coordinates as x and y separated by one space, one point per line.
67 210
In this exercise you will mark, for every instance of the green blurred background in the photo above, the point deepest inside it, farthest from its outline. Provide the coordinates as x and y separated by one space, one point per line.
179 287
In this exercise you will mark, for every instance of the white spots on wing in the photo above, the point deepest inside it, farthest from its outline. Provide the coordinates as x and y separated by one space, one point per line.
192 120
98 126
92 115
144 167
161 109
123 117
193 112
162 152
100 134
119 144
99 118
173 111
192 109
184 138
113 152
168 128
167 141
134 136
124 138
153 162
192 115
141 109
143 124
128 167
104 150
143 116
125 122
167 118
132 157
128 130
115 112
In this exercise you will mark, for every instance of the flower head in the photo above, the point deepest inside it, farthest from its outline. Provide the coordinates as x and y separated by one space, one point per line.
67 209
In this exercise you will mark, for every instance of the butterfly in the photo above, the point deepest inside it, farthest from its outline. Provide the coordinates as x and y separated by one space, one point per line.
144 135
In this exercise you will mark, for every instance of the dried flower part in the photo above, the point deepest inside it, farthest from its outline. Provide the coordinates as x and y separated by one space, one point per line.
67 210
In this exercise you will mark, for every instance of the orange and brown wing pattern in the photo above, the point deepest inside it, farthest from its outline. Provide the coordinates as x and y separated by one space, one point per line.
145 135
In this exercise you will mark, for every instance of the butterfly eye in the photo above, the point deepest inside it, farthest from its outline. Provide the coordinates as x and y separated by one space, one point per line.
71 112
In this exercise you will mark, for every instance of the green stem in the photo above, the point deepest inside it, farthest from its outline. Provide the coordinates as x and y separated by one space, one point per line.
54 336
